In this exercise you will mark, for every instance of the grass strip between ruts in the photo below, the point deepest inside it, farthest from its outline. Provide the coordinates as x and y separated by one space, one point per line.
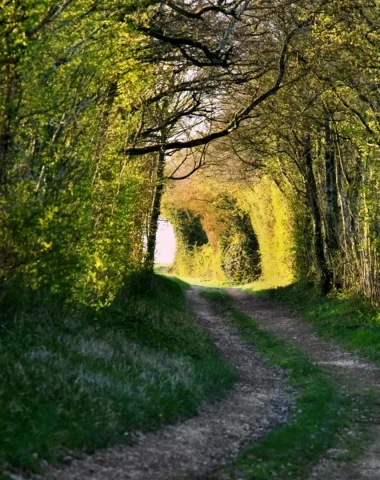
322 417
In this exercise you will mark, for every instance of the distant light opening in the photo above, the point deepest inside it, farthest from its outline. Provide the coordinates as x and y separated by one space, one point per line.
166 244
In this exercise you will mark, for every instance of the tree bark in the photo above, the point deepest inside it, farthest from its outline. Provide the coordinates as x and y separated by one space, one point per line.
333 212
6 117
312 196
155 215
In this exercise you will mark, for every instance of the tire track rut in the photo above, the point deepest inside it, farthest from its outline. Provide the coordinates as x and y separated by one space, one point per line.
349 371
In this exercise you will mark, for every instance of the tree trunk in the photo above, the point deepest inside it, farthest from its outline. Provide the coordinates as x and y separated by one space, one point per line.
333 213
6 116
155 215
312 196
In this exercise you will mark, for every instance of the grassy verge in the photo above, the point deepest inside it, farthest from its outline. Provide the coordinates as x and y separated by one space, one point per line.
351 321
87 381
320 421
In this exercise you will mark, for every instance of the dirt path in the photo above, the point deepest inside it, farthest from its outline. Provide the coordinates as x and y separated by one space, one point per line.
351 373
200 446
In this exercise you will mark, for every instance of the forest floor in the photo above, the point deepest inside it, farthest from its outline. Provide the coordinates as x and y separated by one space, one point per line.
302 399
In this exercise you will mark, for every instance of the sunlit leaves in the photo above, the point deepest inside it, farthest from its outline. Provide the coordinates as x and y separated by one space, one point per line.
72 216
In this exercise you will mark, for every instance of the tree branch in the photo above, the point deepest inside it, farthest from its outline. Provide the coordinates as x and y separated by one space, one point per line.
198 14
53 12
197 165
180 42
233 124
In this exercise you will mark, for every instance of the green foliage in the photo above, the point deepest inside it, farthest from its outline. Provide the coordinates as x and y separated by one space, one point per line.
240 256
197 262
194 256
86 380
321 417
72 204
188 227
231 255
74 207
272 221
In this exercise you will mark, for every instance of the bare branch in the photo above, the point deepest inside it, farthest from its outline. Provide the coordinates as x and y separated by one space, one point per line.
197 166
198 14
215 58
239 116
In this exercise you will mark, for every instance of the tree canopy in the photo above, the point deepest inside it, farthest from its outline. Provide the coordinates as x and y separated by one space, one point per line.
110 108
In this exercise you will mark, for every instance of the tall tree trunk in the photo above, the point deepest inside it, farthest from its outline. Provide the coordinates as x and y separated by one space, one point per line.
349 260
155 215
7 114
312 196
333 212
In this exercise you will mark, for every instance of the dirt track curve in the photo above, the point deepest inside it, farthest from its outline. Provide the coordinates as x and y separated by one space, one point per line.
201 445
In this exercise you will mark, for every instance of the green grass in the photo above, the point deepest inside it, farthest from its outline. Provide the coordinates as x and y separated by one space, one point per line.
71 381
320 416
351 321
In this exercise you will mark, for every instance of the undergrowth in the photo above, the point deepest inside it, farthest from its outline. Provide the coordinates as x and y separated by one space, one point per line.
74 381
320 420
349 320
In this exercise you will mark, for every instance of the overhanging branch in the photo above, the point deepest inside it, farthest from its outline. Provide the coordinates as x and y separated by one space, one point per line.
234 123
198 14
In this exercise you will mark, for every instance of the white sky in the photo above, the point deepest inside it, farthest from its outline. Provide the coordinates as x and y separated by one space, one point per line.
165 247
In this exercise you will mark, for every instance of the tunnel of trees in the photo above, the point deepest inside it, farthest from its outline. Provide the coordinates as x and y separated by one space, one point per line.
217 245
253 125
